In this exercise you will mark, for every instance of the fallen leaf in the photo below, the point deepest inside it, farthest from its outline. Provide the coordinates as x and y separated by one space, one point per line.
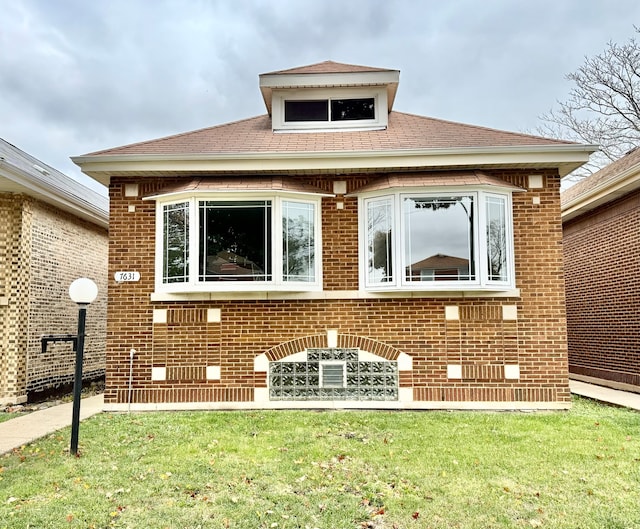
415 515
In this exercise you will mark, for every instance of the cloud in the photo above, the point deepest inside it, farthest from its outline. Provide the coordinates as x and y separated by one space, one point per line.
80 76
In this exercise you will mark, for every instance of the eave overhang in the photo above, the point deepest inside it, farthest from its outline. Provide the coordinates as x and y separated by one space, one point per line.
14 179
564 158
608 191
281 81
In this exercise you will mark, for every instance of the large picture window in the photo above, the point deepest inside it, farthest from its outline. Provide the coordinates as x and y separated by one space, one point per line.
235 241
437 241
239 244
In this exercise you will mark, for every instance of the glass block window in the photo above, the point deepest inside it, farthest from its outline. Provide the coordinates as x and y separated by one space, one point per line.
333 374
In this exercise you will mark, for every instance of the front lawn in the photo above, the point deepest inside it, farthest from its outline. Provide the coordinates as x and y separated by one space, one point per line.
332 470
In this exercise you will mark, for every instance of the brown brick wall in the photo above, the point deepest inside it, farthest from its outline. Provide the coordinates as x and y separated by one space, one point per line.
42 250
481 340
602 255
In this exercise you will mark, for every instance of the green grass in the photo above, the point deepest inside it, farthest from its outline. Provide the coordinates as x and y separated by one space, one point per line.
332 470
6 416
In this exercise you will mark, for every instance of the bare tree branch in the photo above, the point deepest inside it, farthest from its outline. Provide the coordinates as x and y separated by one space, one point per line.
603 107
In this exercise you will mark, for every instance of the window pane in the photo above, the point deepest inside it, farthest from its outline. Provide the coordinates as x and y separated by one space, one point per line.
352 109
379 243
306 110
332 375
298 241
439 238
235 241
497 238
175 262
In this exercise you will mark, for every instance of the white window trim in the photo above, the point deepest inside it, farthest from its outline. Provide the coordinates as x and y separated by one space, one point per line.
379 95
480 284
277 284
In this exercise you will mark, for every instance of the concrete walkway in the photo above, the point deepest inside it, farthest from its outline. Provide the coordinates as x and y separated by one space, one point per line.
27 428
626 399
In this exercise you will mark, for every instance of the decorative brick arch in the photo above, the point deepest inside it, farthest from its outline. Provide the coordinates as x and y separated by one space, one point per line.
333 341
298 345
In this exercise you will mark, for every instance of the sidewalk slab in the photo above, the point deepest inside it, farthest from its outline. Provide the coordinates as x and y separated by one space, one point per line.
27 428
618 397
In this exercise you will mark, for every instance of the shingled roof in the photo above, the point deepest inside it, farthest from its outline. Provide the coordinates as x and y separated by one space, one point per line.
405 131
606 185
23 173
329 67
408 142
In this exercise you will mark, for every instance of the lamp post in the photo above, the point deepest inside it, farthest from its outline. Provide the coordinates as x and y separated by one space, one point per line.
82 291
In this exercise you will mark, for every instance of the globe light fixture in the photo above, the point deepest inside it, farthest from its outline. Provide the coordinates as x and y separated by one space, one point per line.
82 291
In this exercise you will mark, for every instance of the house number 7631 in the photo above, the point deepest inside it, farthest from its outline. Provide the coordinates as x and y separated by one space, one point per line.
122 277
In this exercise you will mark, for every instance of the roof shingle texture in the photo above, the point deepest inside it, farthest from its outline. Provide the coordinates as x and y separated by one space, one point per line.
404 132
329 67
588 184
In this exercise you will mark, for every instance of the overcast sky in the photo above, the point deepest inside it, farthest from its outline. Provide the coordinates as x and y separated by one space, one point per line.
77 76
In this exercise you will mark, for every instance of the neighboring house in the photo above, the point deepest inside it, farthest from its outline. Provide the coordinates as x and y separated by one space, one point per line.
52 231
273 257
601 223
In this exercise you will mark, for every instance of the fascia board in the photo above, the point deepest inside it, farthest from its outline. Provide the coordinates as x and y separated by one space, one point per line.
329 79
270 82
565 157
54 196
607 191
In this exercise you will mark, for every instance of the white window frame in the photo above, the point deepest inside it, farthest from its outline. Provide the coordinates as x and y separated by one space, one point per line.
379 95
398 234
277 284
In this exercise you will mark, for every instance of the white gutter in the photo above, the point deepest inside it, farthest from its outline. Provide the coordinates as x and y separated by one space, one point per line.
606 191
53 195
565 157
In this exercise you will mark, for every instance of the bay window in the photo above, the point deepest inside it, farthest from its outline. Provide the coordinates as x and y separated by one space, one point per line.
437 241
225 244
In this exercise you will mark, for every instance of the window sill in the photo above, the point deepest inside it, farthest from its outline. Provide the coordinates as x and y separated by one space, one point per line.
331 294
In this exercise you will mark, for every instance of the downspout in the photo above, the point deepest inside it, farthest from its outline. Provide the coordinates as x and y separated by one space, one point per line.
132 352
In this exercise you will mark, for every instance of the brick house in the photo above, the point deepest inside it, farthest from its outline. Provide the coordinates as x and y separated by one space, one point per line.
52 231
600 219
283 259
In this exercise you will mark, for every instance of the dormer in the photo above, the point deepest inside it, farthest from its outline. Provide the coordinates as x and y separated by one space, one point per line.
329 97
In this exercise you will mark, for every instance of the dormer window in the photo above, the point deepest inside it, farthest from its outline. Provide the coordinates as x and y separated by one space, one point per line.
341 109
329 97
317 110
